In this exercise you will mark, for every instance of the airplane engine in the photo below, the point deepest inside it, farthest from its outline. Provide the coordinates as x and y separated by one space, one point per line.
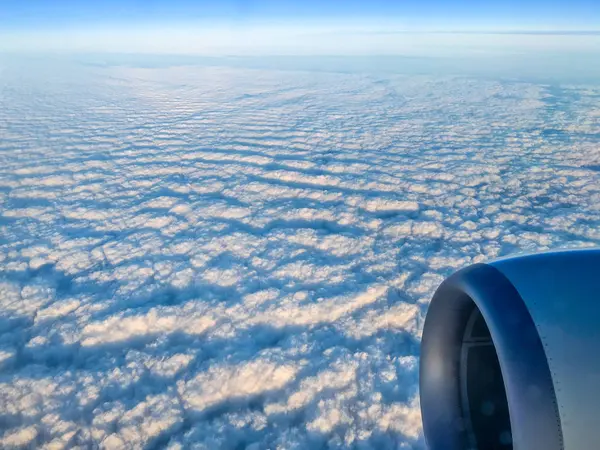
510 355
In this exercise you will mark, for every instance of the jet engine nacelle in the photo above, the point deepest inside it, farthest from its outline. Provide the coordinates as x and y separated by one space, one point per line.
510 355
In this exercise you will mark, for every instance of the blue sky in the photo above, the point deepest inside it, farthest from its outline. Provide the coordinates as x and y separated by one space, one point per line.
508 14
283 26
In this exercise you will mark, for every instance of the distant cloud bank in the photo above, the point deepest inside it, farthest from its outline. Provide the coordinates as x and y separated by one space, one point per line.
296 39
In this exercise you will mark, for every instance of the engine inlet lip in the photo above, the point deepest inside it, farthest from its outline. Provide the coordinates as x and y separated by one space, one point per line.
534 415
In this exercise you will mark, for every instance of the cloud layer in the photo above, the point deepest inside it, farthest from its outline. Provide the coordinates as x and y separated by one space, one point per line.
210 257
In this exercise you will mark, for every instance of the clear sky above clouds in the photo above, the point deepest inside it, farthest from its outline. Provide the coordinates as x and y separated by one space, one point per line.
269 26
510 14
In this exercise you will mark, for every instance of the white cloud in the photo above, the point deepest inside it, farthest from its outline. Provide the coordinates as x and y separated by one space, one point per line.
232 257
225 384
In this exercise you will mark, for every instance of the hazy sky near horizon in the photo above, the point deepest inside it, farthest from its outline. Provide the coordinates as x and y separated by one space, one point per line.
292 27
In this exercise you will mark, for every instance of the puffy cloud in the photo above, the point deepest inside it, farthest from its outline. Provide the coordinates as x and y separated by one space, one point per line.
215 257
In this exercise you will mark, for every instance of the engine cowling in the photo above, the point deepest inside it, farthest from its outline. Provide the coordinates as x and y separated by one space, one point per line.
510 355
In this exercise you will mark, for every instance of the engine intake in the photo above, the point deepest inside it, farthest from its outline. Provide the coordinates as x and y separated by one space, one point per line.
510 355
